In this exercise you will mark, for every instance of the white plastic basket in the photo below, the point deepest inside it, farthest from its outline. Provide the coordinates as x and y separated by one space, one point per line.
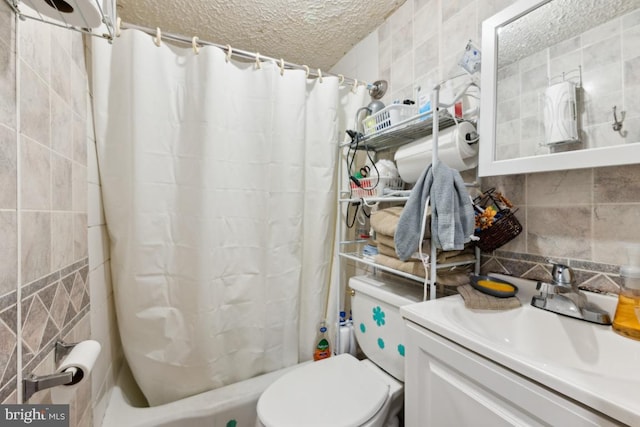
368 187
387 117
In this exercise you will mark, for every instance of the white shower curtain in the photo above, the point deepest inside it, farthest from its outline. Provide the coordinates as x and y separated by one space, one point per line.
218 181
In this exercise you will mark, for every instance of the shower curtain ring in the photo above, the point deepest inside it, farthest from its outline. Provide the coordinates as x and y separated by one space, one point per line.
194 43
229 53
306 69
258 64
281 67
158 38
340 79
118 26
354 89
319 75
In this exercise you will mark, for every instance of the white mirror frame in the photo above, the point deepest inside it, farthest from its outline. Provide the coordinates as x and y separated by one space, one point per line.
487 165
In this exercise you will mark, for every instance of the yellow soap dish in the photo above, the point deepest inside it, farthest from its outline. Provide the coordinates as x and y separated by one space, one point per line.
493 286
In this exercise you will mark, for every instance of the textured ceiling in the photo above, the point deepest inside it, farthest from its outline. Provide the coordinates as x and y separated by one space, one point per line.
307 32
554 22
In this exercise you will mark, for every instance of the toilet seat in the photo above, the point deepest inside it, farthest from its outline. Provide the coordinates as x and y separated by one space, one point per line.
338 391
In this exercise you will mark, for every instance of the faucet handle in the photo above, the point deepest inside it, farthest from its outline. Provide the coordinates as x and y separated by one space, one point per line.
561 275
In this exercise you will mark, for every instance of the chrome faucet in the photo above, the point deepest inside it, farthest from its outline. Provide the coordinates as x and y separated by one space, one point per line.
562 296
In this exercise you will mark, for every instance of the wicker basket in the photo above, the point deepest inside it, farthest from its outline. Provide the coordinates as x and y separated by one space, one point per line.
506 228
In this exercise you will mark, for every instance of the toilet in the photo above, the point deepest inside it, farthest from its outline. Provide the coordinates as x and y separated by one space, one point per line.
342 391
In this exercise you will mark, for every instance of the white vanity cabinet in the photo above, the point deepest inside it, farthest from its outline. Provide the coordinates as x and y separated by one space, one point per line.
450 385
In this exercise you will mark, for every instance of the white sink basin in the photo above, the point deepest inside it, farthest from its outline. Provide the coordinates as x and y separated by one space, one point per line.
587 362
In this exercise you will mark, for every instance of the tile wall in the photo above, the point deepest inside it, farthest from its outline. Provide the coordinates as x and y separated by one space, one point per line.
54 280
603 60
581 217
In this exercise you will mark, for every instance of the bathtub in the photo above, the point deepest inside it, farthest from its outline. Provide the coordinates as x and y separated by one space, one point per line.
230 406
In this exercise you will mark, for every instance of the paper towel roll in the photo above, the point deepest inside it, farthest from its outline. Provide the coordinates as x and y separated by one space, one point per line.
453 150
80 361
78 13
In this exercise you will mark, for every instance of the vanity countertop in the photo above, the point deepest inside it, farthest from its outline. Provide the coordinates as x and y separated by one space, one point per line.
584 361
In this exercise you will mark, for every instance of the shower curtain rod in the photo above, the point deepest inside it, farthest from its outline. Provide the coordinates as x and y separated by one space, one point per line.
238 52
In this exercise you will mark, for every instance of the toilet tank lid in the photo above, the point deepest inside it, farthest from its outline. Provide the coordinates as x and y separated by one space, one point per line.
394 291
338 391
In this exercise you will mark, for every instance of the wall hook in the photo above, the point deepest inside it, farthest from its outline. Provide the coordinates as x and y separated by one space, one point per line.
617 125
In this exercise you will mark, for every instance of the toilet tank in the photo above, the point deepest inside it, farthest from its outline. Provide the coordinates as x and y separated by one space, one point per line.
379 328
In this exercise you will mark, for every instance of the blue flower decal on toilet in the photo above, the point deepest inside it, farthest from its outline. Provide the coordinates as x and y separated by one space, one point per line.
378 316
381 343
363 328
401 350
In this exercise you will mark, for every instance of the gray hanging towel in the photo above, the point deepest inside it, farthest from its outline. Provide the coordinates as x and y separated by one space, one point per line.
452 215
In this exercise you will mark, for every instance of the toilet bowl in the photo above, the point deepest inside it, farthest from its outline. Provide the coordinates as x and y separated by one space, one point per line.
342 391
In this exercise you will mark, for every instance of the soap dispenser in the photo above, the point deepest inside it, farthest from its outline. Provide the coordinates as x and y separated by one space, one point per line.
626 321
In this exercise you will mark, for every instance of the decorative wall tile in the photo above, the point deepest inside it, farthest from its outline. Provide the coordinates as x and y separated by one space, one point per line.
80 140
597 107
78 91
80 189
7 84
62 121
35 116
6 24
35 47
8 171
426 57
631 73
590 276
402 41
53 108
620 184
559 231
61 239
34 323
606 78
61 184
50 312
80 243
631 43
59 306
450 8
613 225
36 245
631 20
8 252
77 51
60 68
561 188
7 348
35 175
425 23
602 53
458 31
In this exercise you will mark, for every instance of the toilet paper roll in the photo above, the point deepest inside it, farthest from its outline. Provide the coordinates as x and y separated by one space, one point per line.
453 150
78 13
80 361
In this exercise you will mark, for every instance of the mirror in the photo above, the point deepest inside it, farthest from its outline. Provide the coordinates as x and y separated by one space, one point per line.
560 86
